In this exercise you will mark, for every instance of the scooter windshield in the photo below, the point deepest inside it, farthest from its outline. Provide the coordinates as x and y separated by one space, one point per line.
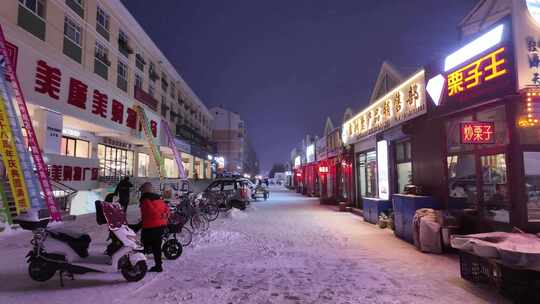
114 214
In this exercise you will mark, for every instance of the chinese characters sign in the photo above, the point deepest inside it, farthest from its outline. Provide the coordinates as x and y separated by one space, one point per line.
482 70
477 132
79 96
401 104
11 161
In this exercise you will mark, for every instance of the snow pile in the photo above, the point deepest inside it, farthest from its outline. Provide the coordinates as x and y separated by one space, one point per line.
515 249
237 213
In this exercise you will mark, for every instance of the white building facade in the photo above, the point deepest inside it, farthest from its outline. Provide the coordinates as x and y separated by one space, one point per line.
83 66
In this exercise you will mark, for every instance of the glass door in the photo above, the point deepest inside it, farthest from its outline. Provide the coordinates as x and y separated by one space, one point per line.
495 197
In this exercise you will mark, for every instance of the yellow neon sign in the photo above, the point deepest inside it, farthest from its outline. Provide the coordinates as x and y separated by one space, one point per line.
480 71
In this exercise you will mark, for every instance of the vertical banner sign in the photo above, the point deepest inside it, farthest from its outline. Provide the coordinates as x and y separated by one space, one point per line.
10 158
172 145
27 124
151 141
32 183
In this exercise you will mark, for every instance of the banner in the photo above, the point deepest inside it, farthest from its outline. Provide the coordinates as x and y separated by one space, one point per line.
172 145
10 158
11 79
151 141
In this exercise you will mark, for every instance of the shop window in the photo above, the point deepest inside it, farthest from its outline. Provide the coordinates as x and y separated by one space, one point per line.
367 174
531 161
498 117
75 147
171 169
453 135
115 162
403 165
495 187
143 165
462 179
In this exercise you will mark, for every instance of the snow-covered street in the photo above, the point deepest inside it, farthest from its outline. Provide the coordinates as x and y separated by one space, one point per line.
289 249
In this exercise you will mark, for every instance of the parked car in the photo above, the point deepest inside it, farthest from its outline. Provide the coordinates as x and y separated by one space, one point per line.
237 189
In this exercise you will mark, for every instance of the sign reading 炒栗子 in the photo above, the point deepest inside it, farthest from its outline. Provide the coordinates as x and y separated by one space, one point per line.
401 104
477 132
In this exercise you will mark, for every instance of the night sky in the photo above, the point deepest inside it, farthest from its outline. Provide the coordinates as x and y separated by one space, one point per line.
286 65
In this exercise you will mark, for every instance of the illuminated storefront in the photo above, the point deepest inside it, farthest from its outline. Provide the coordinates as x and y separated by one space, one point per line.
382 148
485 105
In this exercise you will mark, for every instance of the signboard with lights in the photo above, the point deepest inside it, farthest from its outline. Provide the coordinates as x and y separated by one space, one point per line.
297 162
531 108
382 169
310 153
479 70
401 104
323 169
477 132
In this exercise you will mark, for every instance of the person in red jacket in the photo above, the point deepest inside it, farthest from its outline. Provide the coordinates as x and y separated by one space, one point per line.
154 214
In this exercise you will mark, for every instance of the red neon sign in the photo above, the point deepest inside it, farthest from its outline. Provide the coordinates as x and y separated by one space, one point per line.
477 132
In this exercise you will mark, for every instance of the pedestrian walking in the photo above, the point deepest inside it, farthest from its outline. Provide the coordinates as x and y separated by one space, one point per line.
154 214
122 190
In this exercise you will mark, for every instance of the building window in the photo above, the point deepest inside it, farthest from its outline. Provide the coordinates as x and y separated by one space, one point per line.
138 81
35 6
77 6
122 71
114 162
172 91
164 83
151 89
102 22
123 44
139 61
75 147
72 31
143 165
164 107
403 165
72 46
101 62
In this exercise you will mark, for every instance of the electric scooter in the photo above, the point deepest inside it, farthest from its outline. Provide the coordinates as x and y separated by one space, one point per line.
67 251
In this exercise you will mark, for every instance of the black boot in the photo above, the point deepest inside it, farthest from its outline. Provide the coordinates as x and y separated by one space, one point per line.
156 268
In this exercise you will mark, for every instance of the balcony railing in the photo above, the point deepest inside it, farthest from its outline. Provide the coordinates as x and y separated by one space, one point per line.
146 98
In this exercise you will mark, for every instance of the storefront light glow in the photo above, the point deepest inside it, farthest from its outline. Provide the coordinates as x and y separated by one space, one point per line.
435 88
297 162
475 47
70 132
534 9
310 153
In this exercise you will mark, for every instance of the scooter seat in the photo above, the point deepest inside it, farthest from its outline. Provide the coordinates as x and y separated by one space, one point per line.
77 241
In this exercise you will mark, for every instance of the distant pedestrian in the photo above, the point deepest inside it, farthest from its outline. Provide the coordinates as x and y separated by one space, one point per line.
122 190
154 213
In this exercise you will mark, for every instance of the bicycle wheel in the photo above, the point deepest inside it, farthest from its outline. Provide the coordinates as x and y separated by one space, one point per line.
185 236
211 211
196 221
